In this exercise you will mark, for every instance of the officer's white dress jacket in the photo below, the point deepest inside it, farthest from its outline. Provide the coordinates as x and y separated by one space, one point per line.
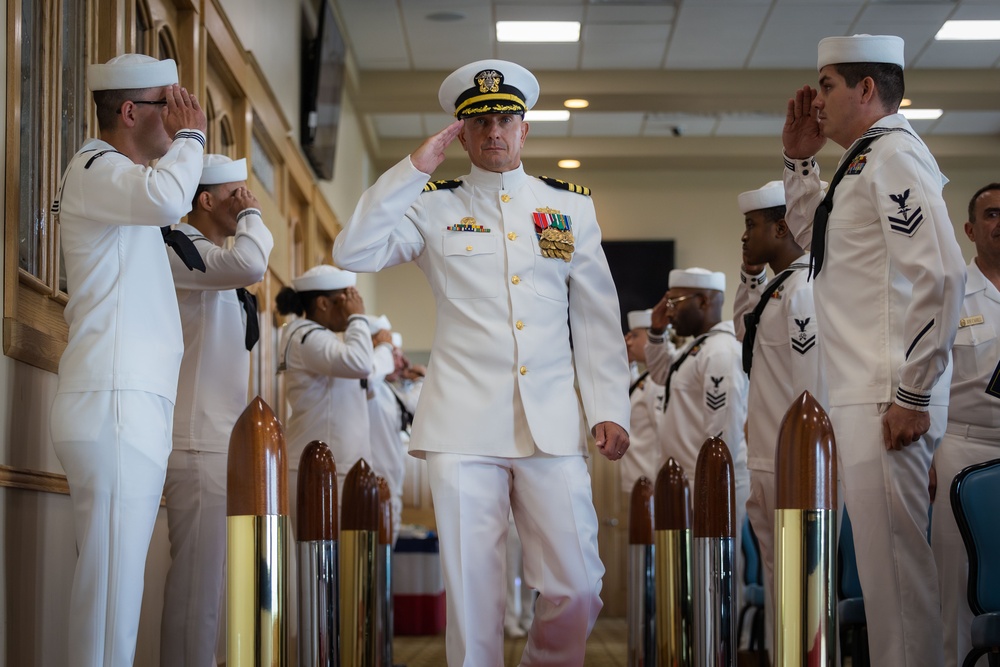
124 326
645 452
785 355
976 354
323 380
707 398
891 250
504 312
215 369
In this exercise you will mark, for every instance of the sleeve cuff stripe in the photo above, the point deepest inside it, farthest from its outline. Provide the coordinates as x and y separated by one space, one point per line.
248 211
191 134
905 396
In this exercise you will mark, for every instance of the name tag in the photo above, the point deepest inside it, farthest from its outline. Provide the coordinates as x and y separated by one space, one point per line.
969 321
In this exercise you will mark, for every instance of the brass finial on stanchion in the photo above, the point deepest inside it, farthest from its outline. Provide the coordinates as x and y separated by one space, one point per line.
641 591
257 530
384 569
805 543
714 556
672 532
359 523
316 532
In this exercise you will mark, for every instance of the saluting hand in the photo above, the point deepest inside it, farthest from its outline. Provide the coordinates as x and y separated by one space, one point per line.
801 136
351 302
611 439
661 316
182 112
383 336
241 199
430 154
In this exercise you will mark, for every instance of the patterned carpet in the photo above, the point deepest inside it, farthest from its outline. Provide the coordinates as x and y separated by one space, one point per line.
606 648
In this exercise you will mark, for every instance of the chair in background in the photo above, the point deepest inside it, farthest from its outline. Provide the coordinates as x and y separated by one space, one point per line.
974 495
751 627
851 603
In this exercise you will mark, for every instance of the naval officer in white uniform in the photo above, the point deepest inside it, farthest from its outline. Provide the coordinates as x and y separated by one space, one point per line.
515 265
114 403
973 432
219 321
776 322
327 357
889 280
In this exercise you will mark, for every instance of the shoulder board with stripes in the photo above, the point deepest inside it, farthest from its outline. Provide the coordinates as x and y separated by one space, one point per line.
441 185
563 185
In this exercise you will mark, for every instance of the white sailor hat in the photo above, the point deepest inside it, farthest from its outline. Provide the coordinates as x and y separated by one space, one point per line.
131 70
640 319
397 339
860 49
488 86
380 323
769 196
218 169
697 278
324 278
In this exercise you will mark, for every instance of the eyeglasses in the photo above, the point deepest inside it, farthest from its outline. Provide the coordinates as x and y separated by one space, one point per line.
156 103
673 301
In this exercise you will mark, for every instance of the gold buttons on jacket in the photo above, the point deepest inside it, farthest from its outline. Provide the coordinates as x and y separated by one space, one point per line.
505 198
519 324
524 370
512 236
468 247
515 279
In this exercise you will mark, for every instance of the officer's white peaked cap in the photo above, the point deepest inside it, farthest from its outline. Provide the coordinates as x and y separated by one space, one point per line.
488 86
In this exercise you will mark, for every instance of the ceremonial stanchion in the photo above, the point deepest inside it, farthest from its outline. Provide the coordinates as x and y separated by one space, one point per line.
257 530
805 542
384 569
358 577
672 524
641 591
714 557
316 532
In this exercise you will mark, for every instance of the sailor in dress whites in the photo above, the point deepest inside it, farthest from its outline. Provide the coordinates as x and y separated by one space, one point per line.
776 322
114 403
219 321
515 264
705 386
326 356
645 454
889 280
973 431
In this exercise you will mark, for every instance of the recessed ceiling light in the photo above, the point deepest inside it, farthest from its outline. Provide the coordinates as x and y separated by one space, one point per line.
445 17
538 31
921 114
542 115
569 164
905 102
576 104
969 30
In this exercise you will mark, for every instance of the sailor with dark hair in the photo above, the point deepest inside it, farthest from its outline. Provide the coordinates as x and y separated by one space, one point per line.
889 280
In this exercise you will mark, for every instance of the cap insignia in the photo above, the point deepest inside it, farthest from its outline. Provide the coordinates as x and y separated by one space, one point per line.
489 81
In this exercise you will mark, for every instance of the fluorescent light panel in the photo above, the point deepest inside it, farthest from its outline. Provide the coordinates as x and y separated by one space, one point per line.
921 114
538 31
969 31
569 164
542 115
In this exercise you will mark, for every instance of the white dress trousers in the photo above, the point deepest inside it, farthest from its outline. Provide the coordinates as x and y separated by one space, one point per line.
552 503
113 446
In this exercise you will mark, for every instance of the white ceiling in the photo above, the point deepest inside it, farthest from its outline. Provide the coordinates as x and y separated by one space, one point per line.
667 80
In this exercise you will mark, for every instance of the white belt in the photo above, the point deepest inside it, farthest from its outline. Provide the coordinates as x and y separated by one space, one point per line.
970 431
